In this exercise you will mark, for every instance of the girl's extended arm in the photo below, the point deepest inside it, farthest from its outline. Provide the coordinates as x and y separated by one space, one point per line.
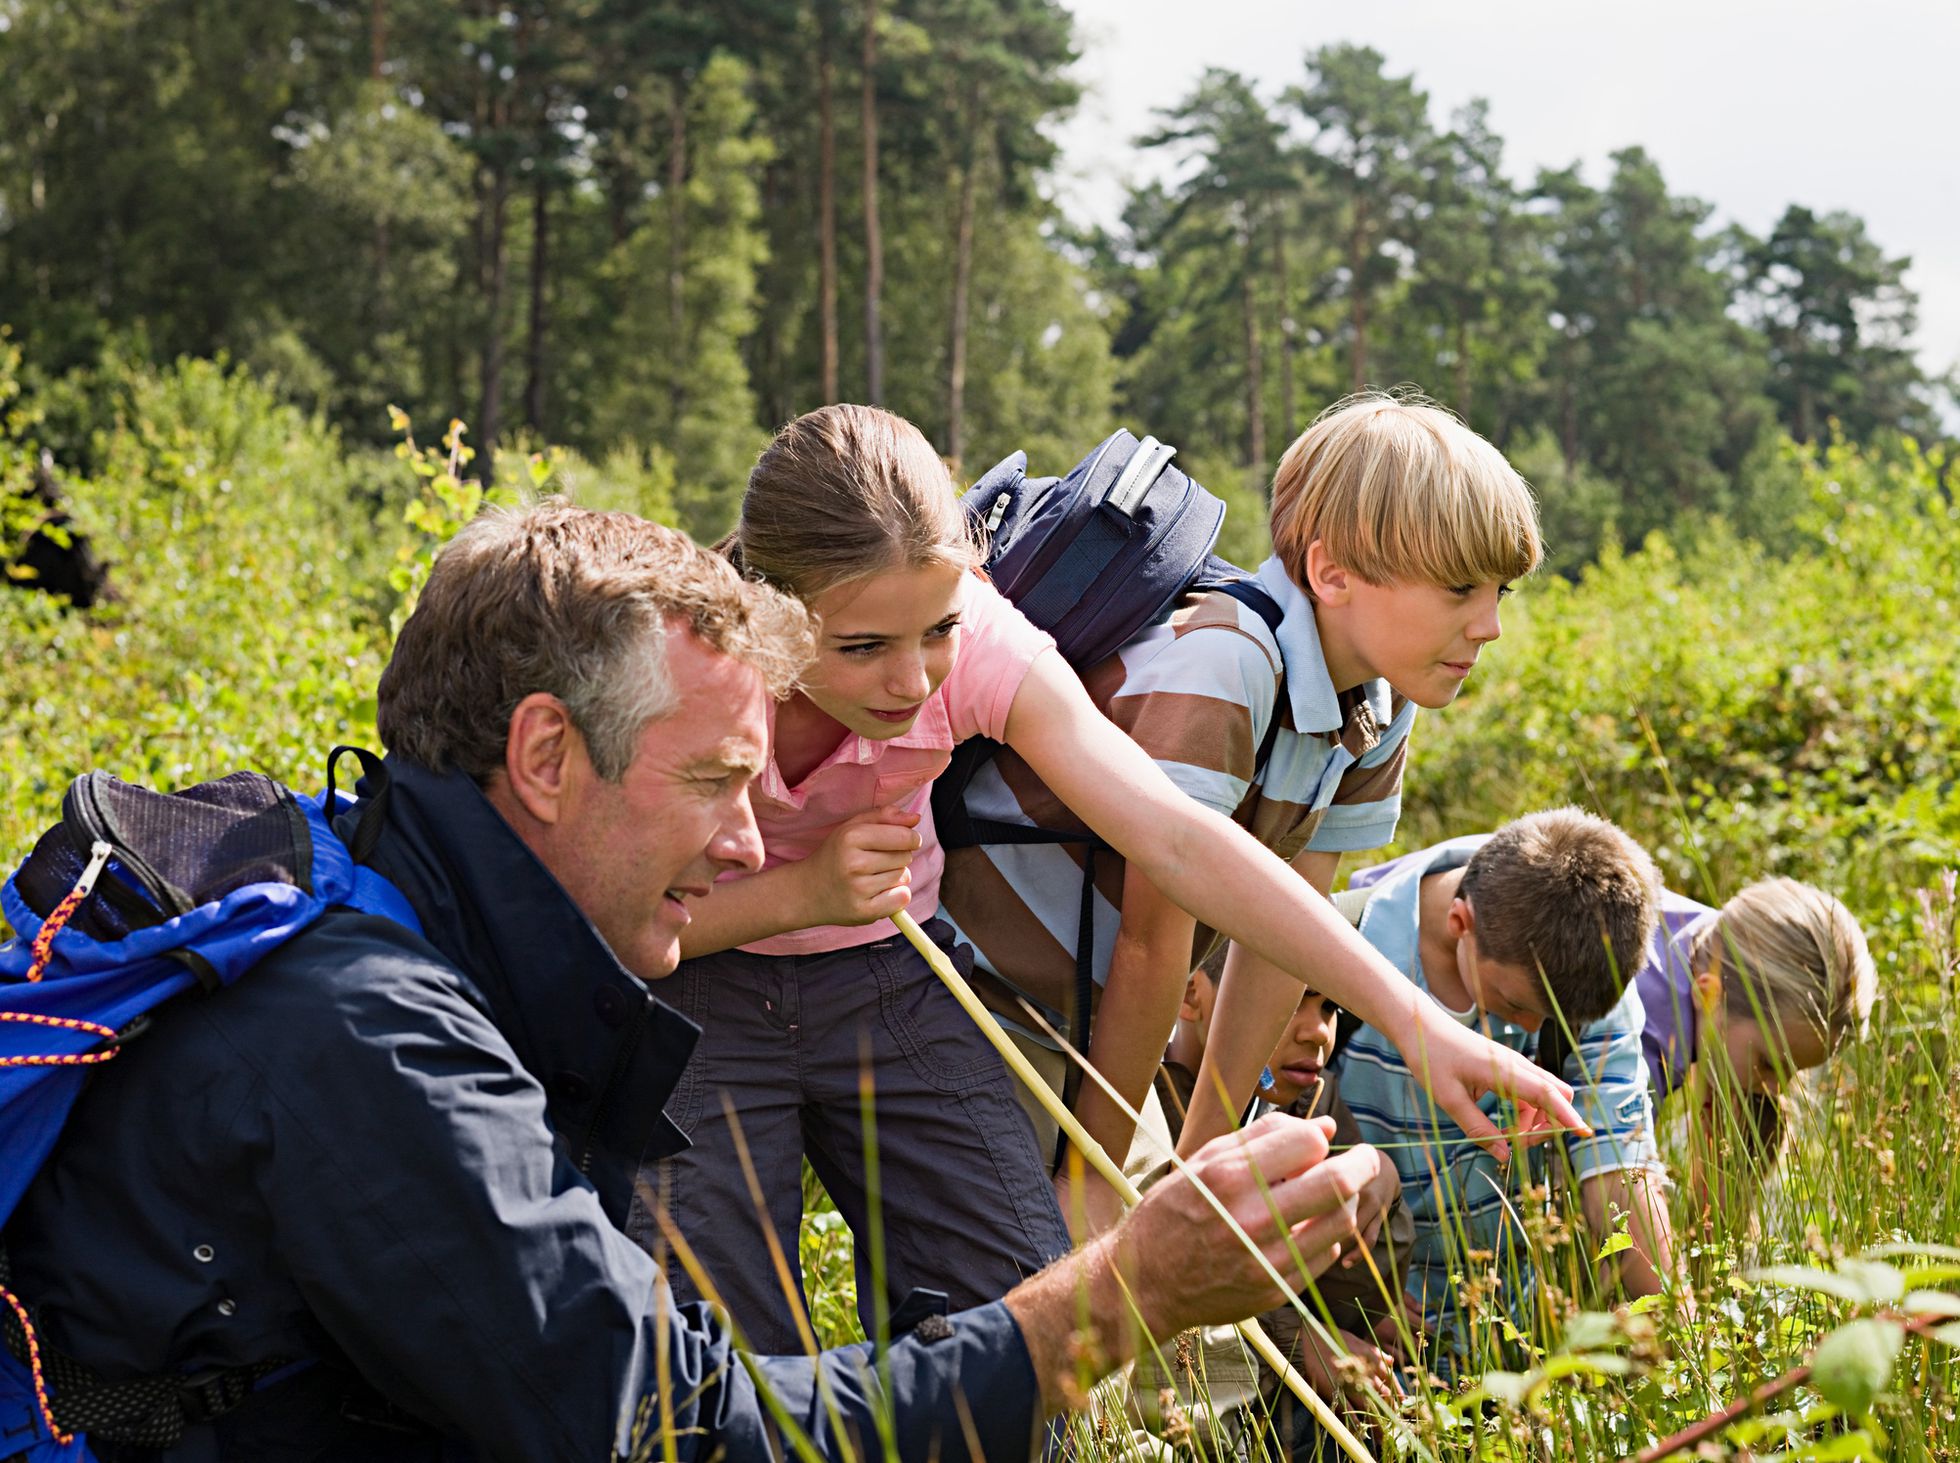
1218 872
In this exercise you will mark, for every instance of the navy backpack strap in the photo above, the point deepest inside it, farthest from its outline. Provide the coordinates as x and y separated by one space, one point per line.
374 807
1248 593
1085 990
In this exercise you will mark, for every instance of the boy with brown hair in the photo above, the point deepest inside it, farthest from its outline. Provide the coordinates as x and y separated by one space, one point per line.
1532 934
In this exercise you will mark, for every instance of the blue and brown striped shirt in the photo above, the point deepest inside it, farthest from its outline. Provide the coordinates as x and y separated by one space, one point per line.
1197 691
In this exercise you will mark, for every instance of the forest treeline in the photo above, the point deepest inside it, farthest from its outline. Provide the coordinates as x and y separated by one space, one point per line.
650 230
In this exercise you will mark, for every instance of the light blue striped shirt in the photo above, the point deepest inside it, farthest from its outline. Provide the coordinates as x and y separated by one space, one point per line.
1457 1194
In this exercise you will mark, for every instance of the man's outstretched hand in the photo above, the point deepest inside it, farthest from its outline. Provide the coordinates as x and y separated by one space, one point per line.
1173 1263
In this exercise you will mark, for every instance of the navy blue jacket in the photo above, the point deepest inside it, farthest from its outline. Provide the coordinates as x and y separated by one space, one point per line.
407 1161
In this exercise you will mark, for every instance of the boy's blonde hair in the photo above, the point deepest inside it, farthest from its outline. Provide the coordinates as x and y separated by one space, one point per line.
1800 954
1401 491
844 492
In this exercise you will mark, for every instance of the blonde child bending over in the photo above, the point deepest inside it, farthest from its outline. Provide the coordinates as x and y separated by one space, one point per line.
796 974
1739 1001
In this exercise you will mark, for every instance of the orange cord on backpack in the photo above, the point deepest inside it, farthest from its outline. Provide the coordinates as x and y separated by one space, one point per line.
43 951
34 1365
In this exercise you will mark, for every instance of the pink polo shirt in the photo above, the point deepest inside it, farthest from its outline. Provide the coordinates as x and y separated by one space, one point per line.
994 646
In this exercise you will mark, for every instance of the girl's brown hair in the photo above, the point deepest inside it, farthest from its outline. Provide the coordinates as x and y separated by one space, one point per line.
844 492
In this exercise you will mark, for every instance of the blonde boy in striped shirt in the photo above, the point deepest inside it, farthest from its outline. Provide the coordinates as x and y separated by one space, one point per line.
1396 531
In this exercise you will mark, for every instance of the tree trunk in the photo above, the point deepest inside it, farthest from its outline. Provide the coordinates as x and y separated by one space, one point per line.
827 196
534 341
1568 415
962 285
1358 296
874 243
1287 326
1255 381
377 61
1462 365
489 417
677 250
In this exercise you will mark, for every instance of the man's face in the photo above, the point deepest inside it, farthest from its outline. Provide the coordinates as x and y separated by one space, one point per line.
632 853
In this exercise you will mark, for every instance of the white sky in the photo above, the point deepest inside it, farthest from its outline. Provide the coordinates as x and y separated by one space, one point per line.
1746 104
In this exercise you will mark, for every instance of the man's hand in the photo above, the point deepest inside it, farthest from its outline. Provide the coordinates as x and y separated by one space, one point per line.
1458 1066
862 872
1185 1266
1179 1264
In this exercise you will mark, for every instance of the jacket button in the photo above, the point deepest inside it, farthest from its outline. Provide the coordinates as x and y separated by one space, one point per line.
570 1087
227 1307
204 1254
612 1005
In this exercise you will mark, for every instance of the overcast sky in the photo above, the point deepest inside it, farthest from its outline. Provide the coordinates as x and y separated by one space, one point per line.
1748 106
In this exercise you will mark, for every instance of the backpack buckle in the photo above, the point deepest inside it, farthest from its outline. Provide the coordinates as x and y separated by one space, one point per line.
208 1395
129 1033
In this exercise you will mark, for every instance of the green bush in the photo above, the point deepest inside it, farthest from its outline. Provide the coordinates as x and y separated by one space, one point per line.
254 605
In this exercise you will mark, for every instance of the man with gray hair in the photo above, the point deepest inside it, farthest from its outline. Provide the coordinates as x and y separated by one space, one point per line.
368 1202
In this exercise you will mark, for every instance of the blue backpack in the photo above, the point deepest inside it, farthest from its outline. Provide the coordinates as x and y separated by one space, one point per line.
1093 558
133 898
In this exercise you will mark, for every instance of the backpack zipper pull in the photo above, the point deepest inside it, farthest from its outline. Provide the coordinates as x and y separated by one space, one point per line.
43 947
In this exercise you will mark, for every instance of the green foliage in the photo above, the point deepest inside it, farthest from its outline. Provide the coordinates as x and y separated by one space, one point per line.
255 606
682 294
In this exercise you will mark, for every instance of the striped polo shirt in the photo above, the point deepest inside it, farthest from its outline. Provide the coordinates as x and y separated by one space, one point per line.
1197 691
1458 1195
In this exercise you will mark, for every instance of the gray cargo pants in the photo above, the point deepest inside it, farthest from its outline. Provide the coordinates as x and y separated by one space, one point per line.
964 1195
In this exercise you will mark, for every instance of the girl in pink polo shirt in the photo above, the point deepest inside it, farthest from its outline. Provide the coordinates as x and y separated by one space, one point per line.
824 1035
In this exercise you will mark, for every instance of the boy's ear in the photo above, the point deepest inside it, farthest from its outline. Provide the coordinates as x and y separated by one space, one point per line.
1708 987
1188 1009
1327 581
1461 922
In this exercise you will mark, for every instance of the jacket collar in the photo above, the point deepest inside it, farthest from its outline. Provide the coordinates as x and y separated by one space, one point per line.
606 1050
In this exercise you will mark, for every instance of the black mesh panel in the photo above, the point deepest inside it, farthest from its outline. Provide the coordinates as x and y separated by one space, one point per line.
204 842
173 852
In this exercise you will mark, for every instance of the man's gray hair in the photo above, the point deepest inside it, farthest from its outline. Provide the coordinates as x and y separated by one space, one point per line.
576 603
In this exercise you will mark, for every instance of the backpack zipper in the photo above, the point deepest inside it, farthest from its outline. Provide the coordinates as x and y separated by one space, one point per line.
83 809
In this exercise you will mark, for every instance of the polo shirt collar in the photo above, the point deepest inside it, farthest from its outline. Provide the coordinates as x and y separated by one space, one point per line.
932 730
1392 919
1317 706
